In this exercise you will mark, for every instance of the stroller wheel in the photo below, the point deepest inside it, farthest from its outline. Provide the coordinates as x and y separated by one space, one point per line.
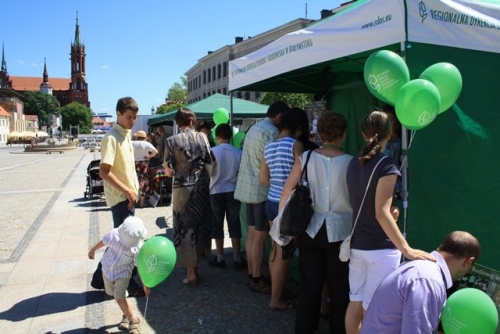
85 195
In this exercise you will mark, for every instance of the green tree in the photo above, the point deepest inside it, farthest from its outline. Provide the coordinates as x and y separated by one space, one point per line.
292 99
77 114
40 104
163 109
177 93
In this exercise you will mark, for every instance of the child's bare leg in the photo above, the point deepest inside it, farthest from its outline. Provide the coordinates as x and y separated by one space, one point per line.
126 307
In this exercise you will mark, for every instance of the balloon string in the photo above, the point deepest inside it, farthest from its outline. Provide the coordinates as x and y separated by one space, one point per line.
146 308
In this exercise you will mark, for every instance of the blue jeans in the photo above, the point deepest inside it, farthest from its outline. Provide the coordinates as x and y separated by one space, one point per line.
121 212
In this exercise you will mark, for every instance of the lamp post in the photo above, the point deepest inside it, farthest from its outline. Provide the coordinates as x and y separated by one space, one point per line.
152 110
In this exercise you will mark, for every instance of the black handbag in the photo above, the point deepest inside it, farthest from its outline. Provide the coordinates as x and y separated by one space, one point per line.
298 211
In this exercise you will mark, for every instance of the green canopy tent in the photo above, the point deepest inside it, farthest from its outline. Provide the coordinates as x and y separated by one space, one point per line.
452 177
204 109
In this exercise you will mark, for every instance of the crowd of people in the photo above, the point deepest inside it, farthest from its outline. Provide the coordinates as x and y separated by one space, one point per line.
372 293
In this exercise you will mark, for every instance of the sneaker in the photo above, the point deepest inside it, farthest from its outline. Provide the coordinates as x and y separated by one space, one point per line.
240 265
215 263
260 286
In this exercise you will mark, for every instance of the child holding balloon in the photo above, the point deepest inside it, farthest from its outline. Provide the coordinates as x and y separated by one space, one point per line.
118 262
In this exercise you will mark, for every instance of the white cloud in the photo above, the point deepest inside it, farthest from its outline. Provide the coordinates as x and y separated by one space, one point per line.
20 62
34 64
104 66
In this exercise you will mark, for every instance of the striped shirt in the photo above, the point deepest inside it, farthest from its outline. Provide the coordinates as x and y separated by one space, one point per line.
118 260
279 158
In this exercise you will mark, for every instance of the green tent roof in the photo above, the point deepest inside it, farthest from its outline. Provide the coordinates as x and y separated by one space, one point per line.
205 109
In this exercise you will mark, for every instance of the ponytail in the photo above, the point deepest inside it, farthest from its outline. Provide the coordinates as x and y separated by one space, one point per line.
376 126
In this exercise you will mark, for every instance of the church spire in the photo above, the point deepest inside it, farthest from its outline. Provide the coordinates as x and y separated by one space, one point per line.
4 63
77 32
45 72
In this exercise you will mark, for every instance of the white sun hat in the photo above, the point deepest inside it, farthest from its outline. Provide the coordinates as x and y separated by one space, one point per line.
132 232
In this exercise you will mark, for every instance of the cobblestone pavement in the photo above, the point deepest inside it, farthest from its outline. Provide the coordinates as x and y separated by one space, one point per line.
46 229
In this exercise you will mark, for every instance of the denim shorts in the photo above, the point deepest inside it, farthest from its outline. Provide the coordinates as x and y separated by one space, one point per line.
224 205
121 212
271 210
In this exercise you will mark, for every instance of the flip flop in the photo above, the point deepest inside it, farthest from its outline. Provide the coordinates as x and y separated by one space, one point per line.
288 306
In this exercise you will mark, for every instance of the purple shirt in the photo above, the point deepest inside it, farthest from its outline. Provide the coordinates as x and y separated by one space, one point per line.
410 300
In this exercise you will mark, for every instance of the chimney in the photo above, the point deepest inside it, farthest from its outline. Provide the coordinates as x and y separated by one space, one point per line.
238 39
209 52
326 13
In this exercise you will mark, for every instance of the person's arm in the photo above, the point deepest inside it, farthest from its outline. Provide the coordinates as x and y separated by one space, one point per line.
98 245
152 152
108 176
298 149
265 177
383 202
423 304
291 182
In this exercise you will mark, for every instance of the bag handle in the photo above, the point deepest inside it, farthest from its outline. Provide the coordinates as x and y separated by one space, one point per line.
364 196
304 170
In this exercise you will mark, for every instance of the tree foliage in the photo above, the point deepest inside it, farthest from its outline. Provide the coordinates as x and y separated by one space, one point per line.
292 99
168 108
77 114
40 104
177 93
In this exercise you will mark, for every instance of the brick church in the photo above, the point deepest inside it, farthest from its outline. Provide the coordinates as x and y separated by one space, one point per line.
66 90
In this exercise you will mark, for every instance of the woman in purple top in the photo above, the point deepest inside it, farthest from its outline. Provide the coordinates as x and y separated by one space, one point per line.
377 242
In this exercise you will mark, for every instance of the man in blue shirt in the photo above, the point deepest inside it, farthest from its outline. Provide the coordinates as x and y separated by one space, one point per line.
410 300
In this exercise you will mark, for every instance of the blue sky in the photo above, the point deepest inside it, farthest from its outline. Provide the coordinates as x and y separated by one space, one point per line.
134 48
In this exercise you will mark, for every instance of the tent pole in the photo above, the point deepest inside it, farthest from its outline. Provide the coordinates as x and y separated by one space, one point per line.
404 161
231 111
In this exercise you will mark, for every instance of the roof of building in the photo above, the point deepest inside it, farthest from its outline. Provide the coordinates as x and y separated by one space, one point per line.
31 117
4 112
33 83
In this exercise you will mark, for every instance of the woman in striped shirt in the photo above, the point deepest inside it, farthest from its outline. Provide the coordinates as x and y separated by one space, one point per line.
277 162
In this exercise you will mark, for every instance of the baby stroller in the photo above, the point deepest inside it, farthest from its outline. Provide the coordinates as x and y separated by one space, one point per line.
95 185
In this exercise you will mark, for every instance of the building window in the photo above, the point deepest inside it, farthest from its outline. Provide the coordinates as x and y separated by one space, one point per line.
209 76
224 68
204 77
204 95
218 91
224 91
247 95
238 95
213 73
219 72
257 95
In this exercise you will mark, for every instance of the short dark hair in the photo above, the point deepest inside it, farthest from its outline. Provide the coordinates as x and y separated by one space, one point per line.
277 108
184 116
203 125
461 245
126 103
223 131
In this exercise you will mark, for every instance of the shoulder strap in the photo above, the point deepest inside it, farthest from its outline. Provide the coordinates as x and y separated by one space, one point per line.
366 191
304 170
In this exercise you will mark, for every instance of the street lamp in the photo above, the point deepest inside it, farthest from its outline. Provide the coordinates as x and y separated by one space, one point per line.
152 110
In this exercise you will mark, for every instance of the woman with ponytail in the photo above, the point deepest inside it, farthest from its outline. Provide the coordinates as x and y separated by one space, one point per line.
376 243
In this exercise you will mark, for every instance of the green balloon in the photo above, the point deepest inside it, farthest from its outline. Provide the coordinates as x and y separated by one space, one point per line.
417 104
221 116
385 73
447 79
469 311
238 139
156 260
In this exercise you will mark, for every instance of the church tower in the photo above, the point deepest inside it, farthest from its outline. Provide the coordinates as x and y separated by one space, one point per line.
45 86
5 81
78 86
